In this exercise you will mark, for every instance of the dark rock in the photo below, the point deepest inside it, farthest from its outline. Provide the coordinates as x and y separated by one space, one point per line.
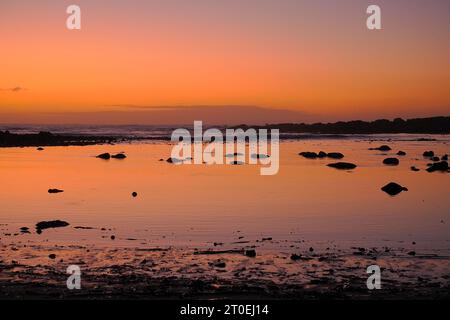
104 156
55 190
173 160
412 253
401 153
322 154
311 249
250 253
134 194
444 157
119 156
335 155
413 168
220 264
309 155
52 256
24 229
393 188
391 161
382 148
113 237
342 165
435 159
428 154
295 257
40 149
51 224
438 166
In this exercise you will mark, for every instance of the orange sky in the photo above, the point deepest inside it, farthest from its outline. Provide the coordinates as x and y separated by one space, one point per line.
316 57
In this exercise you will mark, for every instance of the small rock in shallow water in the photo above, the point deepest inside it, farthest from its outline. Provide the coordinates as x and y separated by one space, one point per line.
113 237
428 154
52 256
444 157
119 156
104 156
55 190
393 188
382 148
335 155
134 194
413 168
342 165
309 155
391 161
401 153
40 149
412 253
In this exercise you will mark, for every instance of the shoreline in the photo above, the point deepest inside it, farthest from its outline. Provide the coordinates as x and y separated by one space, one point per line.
171 274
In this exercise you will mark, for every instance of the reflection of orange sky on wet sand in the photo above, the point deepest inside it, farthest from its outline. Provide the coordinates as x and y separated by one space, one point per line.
300 55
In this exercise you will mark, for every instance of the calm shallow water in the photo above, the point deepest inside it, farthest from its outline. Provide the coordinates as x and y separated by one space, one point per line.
196 205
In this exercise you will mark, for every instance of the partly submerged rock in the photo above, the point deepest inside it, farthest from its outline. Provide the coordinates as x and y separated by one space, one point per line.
413 168
335 155
119 156
55 190
382 148
321 154
40 149
428 154
444 157
50 224
393 188
342 165
391 161
438 166
104 156
173 160
401 153
309 155
134 194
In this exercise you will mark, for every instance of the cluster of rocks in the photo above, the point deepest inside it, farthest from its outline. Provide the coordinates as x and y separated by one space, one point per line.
107 156
439 163
321 154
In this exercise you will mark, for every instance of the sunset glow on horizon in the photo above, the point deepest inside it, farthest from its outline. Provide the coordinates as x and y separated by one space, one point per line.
313 57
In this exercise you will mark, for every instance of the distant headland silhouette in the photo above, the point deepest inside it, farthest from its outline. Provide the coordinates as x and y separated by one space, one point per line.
432 125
